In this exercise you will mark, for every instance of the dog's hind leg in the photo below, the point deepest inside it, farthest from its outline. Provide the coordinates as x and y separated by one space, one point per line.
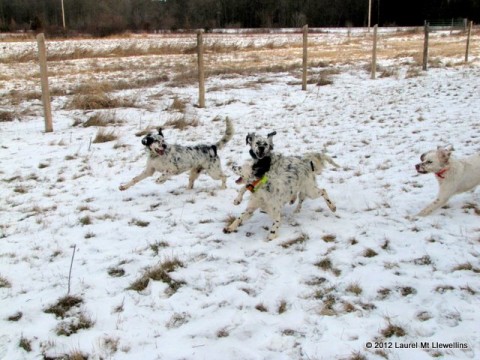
194 174
146 173
316 193
301 198
277 220
216 173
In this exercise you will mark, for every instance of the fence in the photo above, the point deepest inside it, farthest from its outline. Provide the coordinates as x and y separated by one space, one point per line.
447 24
304 55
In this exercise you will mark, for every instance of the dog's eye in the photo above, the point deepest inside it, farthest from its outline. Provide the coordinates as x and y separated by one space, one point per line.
429 161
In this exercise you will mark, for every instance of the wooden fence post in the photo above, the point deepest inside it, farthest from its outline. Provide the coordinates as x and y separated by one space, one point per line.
469 32
201 70
425 47
374 53
305 57
42 57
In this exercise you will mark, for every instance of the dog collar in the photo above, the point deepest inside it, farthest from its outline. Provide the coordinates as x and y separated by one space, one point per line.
441 172
254 185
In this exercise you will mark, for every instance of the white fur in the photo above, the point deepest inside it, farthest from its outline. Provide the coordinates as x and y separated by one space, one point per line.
454 175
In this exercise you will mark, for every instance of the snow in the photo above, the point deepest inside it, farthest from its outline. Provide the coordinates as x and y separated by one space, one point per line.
243 297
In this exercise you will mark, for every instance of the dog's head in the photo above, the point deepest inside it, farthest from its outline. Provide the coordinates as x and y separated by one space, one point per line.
435 160
260 147
155 142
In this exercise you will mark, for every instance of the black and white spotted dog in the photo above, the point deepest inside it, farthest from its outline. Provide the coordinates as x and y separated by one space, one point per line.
176 159
317 160
278 180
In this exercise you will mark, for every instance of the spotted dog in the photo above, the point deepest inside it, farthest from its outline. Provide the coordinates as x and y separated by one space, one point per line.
280 179
454 176
317 160
176 159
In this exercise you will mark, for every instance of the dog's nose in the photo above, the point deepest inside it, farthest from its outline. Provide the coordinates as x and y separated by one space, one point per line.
417 167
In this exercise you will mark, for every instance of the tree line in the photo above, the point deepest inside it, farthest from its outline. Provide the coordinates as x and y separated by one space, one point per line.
104 17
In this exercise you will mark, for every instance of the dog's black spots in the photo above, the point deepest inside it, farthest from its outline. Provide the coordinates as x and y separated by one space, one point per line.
199 170
313 167
261 166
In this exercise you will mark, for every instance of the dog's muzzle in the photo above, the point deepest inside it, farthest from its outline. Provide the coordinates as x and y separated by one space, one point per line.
419 169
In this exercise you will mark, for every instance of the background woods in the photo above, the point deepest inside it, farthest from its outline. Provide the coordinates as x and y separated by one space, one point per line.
103 17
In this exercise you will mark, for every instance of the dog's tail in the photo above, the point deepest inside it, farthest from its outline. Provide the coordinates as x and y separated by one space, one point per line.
228 134
319 160
328 159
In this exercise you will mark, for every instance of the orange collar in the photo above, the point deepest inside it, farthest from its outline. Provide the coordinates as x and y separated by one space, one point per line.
441 172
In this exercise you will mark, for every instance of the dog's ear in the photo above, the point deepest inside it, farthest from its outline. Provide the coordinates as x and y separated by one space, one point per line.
444 154
249 138
160 132
422 157
271 134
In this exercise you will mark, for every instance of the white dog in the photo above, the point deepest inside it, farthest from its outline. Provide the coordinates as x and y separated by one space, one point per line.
454 175
176 159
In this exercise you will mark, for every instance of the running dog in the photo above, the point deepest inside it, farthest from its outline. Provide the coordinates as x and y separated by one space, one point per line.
454 176
280 179
176 159
318 162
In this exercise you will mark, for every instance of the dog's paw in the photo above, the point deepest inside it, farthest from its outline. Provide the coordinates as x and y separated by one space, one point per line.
236 202
227 230
122 188
423 213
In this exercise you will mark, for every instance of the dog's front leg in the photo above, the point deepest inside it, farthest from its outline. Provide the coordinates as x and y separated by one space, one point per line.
238 200
247 214
163 178
146 173
438 203
444 194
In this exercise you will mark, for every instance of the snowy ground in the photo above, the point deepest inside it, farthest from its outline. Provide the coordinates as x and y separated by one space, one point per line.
328 287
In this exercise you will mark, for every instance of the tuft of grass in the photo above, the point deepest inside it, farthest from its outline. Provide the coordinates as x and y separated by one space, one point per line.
424 260
261 308
15 317
139 223
354 289
75 324
282 307
393 330
177 320
25 344
369 253
4 283
178 105
407 290
301 239
156 247
182 123
104 136
86 220
222 333
116 272
101 120
6 116
161 272
329 238
466 267
63 305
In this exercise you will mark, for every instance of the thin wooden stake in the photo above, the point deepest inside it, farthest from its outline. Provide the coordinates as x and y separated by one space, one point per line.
305 57
201 70
469 32
71 266
425 47
42 58
374 53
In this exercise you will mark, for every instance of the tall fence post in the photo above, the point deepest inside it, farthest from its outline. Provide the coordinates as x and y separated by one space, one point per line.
201 70
305 57
425 47
374 53
469 32
42 58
